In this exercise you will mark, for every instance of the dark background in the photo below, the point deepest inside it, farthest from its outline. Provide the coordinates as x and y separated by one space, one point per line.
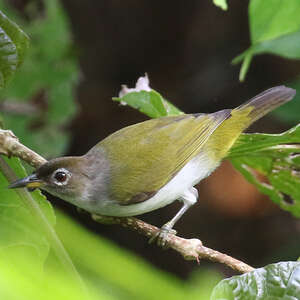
186 47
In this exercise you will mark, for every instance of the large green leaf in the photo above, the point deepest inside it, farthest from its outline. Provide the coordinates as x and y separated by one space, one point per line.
13 45
45 83
26 222
279 281
109 271
24 281
122 273
274 28
270 19
20 231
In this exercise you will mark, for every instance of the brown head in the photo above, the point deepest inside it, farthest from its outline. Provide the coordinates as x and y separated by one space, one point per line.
74 179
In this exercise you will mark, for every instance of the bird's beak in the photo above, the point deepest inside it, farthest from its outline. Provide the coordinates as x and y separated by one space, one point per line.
31 182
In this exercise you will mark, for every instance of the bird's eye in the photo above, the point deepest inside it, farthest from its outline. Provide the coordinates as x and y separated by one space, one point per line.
60 176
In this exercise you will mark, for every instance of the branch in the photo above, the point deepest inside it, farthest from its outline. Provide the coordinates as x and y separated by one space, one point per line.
19 108
10 146
190 249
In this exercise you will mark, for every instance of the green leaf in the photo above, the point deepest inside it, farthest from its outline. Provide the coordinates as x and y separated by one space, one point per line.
286 46
274 28
221 3
277 158
150 103
270 19
47 86
19 230
109 271
23 280
13 46
276 281
123 273
28 224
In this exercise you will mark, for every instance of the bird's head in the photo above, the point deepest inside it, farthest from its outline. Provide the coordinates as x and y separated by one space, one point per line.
65 177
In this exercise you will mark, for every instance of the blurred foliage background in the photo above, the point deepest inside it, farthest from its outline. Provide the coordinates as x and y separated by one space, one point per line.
59 103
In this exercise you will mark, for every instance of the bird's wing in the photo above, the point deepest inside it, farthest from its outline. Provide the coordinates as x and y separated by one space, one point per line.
147 155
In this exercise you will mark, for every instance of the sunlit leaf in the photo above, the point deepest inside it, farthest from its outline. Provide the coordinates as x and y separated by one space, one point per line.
19 230
123 280
23 280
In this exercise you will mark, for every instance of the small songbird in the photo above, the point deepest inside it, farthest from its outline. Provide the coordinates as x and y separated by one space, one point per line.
149 165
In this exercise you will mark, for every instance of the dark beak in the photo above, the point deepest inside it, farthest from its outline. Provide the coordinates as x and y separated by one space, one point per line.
31 182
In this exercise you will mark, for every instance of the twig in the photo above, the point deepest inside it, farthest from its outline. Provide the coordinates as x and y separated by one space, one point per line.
19 108
190 249
10 146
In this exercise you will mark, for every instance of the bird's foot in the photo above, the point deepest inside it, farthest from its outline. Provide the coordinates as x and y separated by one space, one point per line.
161 237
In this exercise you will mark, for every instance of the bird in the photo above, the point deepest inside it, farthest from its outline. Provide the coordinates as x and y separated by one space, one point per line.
149 165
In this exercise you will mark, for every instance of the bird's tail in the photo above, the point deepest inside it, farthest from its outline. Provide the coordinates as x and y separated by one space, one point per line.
265 102
244 115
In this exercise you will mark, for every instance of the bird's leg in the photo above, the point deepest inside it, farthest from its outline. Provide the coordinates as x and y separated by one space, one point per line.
189 198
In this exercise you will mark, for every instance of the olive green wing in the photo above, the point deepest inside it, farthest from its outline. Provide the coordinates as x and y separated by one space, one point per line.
147 155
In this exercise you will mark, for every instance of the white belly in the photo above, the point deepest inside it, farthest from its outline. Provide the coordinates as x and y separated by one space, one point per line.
197 169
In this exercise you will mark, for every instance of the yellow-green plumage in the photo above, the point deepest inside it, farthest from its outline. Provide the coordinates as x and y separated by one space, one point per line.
225 135
152 152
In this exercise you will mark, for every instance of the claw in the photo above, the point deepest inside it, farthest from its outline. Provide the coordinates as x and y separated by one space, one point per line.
161 237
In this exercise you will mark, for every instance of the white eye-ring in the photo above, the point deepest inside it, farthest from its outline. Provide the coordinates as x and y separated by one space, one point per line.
61 176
